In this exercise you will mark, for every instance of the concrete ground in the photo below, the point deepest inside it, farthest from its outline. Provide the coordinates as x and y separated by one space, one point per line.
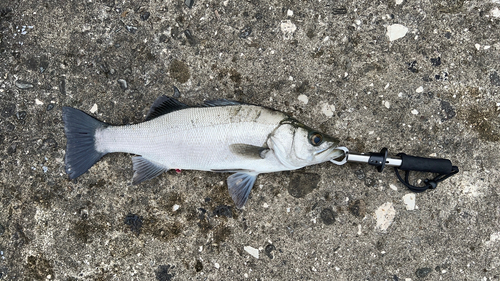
420 77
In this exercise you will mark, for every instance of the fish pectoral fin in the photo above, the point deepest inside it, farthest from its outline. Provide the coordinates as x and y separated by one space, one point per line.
164 105
145 169
239 186
248 150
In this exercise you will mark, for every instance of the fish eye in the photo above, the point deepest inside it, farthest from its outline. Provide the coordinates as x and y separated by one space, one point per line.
316 139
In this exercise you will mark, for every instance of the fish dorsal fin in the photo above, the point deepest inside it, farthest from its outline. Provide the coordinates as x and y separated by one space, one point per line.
239 186
164 105
220 102
145 169
248 150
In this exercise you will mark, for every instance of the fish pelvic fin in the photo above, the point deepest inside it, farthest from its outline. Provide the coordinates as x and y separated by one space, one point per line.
240 185
145 169
80 129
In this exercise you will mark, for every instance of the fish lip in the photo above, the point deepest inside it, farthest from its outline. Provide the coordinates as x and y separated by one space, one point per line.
330 148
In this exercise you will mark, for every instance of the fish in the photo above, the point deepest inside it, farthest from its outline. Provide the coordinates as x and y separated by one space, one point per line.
217 136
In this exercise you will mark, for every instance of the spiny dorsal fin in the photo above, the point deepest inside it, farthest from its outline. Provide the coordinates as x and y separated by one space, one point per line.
220 102
239 186
164 105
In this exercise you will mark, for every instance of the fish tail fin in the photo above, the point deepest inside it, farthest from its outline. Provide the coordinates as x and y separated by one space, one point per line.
80 129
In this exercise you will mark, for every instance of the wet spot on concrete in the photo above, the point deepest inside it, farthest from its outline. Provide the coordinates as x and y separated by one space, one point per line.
39 268
223 210
221 234
9 126
310 33
303 184
451 6
8 110
317 54
370 182
82 231
179 71
235 76
161 230
328 216
172 203
358 208
494 79
303 87
142 52
423 272
484 122
447 111
44 198
135 223
12 149
163 273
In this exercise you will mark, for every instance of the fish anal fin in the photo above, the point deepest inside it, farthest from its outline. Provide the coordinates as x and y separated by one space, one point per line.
164 105
248 150
145 169
240 185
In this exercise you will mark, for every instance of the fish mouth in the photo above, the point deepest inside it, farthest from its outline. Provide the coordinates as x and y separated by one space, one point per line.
322 151
331 153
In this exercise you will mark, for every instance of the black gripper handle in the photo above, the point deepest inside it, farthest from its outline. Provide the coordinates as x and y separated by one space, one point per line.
421 164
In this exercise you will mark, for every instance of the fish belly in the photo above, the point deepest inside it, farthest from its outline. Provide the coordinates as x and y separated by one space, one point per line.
198 138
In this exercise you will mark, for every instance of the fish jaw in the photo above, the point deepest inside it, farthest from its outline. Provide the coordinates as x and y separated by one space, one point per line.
332 153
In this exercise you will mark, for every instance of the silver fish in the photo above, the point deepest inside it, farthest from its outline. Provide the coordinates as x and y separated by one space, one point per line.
218 136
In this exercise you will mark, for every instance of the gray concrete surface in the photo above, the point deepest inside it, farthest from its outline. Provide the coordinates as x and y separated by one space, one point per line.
330 64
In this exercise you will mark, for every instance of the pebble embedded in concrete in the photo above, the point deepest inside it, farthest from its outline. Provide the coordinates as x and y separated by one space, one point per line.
303 98
94 108
409 200
327 109
385 216
287 28
252 251
396 31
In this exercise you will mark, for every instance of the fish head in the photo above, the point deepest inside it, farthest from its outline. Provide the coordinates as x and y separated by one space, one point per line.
297 145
